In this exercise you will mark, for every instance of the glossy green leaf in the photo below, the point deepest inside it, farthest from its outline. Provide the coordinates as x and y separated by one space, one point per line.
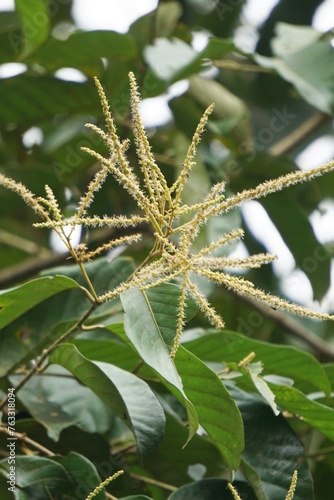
164 301
110 351
127 395
273 450
211 489
83 474
317 415
146 334
287 361
16 301
217 411
35 20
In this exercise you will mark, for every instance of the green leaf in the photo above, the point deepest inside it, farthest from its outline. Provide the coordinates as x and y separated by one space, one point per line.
26 337
310 70
111 351
260 385
82 473
317 415
34 15
164 301
287 361
31 99
216 48
168 14
146 335
58 401
84 50
217 411
136 497
17 301
37 475
211 489
329 369
273 450
173 59
127 395
172 464
104 275
168 57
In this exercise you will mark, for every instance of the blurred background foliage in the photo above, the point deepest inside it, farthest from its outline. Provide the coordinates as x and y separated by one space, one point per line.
272 101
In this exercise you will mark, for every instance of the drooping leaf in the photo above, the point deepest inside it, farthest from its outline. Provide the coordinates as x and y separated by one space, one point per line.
217 411
273 450
146 334
57 400
127 395
16 301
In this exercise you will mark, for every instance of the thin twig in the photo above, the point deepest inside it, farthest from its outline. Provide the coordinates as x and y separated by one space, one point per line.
149 480
239 66
20 436
299 134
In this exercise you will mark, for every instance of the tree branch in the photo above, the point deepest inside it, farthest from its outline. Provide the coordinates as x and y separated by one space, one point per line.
20 436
